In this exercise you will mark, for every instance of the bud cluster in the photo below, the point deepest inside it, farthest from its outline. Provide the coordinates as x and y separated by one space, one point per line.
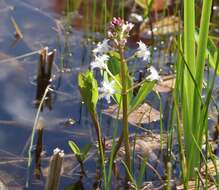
119 31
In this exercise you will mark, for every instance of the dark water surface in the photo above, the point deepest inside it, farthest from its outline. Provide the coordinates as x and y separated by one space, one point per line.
40 23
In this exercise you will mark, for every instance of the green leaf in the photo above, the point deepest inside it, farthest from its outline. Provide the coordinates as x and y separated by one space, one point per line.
75 149
88 89
141 173
142 93
73 5
130 175
114 63
85 151
117 96
143 3
211 51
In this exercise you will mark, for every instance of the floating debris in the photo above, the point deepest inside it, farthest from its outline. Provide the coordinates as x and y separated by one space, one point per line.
69 122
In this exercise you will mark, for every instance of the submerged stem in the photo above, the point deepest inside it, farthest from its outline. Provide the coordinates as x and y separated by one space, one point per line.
100 144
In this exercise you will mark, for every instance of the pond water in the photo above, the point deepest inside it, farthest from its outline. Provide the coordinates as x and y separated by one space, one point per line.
39 24
43 24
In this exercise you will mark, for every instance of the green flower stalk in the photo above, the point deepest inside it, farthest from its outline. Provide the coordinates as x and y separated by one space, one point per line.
125 108
119 32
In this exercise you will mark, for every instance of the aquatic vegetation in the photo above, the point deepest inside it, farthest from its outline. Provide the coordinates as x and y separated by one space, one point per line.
81 155
117 83
192 114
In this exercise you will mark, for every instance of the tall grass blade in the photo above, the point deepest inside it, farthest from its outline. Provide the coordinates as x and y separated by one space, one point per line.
189 54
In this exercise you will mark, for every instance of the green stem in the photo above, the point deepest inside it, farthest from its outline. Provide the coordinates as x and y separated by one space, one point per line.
183 164
202 44
113 77
125 108
100 145
105 16
94 16
33 131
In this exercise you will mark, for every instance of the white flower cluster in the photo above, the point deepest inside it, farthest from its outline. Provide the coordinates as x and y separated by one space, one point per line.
143 51
101 58
107 90
100 62
154 76
102 48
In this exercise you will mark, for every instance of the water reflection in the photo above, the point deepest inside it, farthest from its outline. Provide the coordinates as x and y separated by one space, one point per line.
78 185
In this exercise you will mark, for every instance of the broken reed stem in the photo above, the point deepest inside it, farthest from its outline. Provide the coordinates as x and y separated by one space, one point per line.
39 148
46 60
18 33
51 56
42 63
55 167
169 173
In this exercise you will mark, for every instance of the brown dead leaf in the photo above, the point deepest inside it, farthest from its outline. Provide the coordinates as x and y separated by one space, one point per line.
192 186
167 84
211 168
145 143
164 26
144 114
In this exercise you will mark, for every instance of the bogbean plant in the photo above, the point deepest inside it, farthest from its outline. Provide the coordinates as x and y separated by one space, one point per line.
116 84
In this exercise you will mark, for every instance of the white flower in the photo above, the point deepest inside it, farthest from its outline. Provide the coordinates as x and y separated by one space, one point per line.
154 74
143 51
136 17
107 90
127 27
101 48
100 62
